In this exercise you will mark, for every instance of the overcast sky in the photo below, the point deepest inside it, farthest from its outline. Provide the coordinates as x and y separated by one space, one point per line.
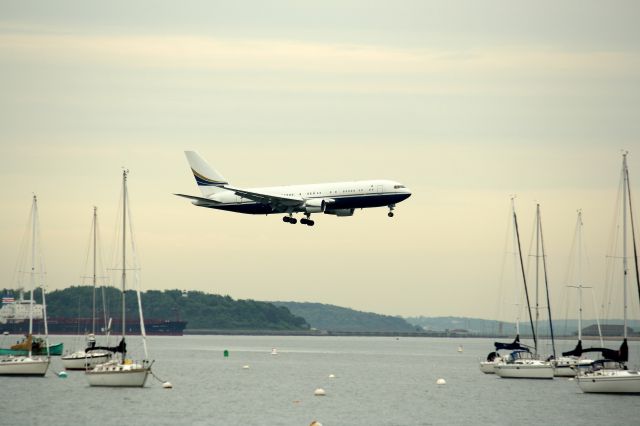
465 102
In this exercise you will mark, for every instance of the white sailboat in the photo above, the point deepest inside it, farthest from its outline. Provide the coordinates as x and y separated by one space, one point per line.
522 364
568 364
611 375
30 365
496 357
122 371
89 357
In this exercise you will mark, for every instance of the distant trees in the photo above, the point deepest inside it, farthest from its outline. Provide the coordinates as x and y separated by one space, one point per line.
336 318
199 309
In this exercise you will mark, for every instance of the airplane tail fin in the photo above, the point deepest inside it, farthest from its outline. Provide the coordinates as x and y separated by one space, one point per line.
209 180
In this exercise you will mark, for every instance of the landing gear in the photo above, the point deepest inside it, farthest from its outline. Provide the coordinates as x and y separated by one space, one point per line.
307 221
391 207
290 219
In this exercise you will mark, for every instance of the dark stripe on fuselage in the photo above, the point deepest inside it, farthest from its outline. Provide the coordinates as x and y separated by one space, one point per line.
358 201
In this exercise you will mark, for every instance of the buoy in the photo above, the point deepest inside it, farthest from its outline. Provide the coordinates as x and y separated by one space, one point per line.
274 351
460 348
167 385
319 392
315 423
332 376
441 382
246 367
226 353
63 374
570 379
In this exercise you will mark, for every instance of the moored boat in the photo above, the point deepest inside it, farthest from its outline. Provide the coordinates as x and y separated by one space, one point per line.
611 374
29 364
521 364
122 371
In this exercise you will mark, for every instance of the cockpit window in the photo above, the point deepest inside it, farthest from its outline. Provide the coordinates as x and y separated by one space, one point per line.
398 186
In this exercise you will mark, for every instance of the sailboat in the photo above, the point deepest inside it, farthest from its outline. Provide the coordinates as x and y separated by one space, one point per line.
521 363
30 365
610 374
496 357
89 358
567 364
122 371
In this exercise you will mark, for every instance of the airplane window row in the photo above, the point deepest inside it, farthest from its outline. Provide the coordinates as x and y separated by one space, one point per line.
398 186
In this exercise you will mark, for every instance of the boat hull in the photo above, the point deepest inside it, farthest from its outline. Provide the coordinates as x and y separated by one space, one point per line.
23 366
84 361
487 367
116 374
619 381
568 367
524 371
54 350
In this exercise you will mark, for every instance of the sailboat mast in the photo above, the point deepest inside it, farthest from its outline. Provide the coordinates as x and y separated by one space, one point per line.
93 312
633 236
537 268
625 186
34 212
515 271
579 275
124 248
546 284
524 279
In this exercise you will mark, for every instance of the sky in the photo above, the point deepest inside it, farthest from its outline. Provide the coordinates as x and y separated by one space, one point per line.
467 103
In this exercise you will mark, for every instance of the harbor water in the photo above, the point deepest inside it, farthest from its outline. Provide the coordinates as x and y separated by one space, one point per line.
377 381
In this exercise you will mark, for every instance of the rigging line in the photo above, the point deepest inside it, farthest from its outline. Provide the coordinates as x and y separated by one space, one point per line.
502 272
633 233
134 256
546 283
524 278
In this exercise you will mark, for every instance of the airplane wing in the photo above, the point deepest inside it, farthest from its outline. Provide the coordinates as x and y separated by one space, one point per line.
271 199
200 201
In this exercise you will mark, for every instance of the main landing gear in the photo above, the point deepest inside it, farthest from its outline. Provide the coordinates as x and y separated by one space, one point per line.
307 221
391 207
290 219
304 221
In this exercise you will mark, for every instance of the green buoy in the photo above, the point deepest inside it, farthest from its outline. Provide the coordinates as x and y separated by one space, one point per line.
226 353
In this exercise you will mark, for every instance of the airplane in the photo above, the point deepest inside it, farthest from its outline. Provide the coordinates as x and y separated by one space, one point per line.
339 199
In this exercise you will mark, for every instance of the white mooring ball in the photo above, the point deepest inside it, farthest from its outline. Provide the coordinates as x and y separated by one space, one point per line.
441 381
319 392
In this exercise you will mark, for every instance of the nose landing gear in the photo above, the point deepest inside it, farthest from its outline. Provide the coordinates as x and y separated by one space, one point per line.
391 207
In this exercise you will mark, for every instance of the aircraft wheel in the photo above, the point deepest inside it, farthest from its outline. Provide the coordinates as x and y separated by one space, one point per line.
304 221
286 219
293 220
390 214
310 222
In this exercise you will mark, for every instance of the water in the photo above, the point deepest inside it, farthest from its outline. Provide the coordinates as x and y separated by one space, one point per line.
379 381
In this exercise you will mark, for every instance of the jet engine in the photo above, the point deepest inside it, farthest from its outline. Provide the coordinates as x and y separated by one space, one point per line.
315 206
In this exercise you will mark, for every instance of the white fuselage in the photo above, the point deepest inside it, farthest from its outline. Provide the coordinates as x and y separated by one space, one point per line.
337 198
